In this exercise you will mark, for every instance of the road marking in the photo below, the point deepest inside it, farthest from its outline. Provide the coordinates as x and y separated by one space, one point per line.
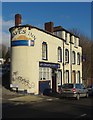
49 99
83 115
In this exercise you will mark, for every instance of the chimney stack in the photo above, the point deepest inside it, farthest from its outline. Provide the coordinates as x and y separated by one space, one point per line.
58 28
18 19
49 27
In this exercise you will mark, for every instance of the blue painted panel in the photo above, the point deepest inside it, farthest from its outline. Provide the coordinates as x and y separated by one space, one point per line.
22 43
51 65
43 85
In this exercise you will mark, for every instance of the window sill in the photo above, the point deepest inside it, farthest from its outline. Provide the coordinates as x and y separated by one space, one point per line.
66 43
44 59
75 46
59 61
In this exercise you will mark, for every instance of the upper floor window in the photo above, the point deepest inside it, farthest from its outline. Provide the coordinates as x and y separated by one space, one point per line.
59 54
78 58
73 57
66 56
44 51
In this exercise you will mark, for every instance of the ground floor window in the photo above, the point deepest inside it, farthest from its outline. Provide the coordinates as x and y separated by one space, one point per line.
44 73
67 76
78 77
73 76
59 77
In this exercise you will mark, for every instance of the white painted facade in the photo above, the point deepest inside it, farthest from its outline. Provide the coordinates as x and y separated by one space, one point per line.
27 65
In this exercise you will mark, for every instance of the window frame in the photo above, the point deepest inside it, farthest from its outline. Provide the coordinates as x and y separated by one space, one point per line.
73 57
78 76
67 76
44 73
78 58
59 77
66 56
59 54
44 53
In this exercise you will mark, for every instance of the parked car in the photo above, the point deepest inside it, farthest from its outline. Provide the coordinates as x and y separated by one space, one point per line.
73 90
90 90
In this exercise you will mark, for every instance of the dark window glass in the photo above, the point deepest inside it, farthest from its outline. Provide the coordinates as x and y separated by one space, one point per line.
59 54
44 51
66 56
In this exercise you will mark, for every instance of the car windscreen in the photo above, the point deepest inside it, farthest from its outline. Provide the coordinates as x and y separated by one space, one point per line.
67 86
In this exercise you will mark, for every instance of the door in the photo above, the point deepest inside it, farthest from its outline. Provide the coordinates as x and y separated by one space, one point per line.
43 85
54 80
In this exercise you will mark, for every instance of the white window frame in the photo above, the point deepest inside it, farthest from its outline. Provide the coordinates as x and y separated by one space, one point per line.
78 58
59 54
44 51
44 73
73 57
67 76
66 56
78 76
59 77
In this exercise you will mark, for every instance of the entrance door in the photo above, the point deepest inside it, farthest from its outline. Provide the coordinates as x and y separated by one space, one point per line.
54 80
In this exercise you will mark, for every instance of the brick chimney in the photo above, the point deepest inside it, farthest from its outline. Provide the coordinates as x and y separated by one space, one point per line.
58 28
18 19
49 27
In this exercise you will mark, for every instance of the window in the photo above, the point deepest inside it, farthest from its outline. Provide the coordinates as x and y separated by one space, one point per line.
66 56
59 54
73 76
44 51
78 58
59 77
44 73
73 57
78 77
67 76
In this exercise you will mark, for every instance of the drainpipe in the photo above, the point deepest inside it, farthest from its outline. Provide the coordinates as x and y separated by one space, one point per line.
71 60
63 62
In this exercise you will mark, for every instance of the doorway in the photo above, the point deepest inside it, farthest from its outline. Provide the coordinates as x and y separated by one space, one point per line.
54 80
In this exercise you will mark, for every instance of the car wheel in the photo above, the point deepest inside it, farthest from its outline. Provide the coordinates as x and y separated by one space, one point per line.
78 97
87 95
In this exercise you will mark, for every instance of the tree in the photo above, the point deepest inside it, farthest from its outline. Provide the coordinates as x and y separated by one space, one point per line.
3 50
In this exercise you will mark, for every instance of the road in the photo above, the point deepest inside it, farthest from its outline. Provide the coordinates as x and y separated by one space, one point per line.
49 108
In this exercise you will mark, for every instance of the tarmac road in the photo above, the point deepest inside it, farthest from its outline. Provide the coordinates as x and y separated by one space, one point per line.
47 107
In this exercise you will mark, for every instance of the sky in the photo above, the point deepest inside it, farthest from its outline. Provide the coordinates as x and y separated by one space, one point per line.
66 14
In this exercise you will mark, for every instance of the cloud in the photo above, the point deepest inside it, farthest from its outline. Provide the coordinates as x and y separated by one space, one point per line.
4 31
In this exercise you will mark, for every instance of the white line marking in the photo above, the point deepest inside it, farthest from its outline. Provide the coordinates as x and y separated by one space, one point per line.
83 115
49 99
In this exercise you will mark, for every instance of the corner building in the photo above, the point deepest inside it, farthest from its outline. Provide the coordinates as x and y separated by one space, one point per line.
43 59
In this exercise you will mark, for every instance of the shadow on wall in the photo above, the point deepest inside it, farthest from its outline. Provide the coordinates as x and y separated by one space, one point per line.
6 80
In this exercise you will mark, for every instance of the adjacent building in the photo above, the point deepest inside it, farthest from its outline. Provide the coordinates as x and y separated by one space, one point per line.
43 58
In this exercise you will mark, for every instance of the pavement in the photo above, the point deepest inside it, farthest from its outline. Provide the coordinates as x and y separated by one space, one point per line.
12 96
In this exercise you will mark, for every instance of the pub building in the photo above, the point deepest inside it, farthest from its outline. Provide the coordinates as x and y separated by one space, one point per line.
42 59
